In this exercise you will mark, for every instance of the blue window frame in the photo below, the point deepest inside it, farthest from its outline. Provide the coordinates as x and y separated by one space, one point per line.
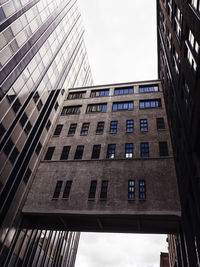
98 93
142 190
111 151
143 125
113 126
154 103
101 107
129 126
124 91
129 150
144 150
122 106
131 189
148 89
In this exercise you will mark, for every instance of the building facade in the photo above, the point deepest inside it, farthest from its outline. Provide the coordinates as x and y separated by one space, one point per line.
178 66
109 164
42 53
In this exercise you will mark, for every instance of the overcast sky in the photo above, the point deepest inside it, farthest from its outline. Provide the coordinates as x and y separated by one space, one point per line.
120 37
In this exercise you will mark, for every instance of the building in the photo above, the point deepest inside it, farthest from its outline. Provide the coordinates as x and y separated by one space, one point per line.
108 165
178 67
41 54
164 259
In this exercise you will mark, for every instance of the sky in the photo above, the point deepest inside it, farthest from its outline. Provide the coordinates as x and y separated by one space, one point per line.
120 38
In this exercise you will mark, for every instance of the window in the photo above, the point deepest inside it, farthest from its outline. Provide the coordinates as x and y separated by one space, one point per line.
68 110
163 149
100 127
131 189
56 106
27 175
111 151
123 91
36 97
129 126
16 105
122 106
93 187
49 153
39 105
76 95
97 93
2 130
96 151
8 147
65 153
14 155
104 189
102 107
177 22
113 126
142 189
72 129
57 189
23 120
192 50
144 150
38 148
128 150
196 4
154 103
148 88
143 125
58 129
67 189
79 152
160 123
48 125
85 128
28 127
176 61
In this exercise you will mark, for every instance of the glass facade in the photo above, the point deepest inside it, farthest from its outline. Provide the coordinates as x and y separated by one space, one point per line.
42 53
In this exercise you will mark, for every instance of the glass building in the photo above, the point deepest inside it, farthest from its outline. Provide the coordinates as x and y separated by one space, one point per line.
42 53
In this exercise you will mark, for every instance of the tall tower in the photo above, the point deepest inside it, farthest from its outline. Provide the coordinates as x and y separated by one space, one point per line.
178 66
42 53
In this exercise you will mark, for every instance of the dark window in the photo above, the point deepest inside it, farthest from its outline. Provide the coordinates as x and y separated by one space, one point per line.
2 130
48 125
155 103
100 127
28 127
104 189
71 110
97 107
163 148
23 120
65 153
111 151
58 129
148 88
56 106
36 97
8 147
123 91
57 189
129 150
122 106
14 155
79 152
144 150
38 148
85 128
27 175
143 125
97 93
16 105
93 187
49 153
96 151
39 105
160 123
113 126
72 129
129 126
67 189
131 189
76 95
142 189
11 98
